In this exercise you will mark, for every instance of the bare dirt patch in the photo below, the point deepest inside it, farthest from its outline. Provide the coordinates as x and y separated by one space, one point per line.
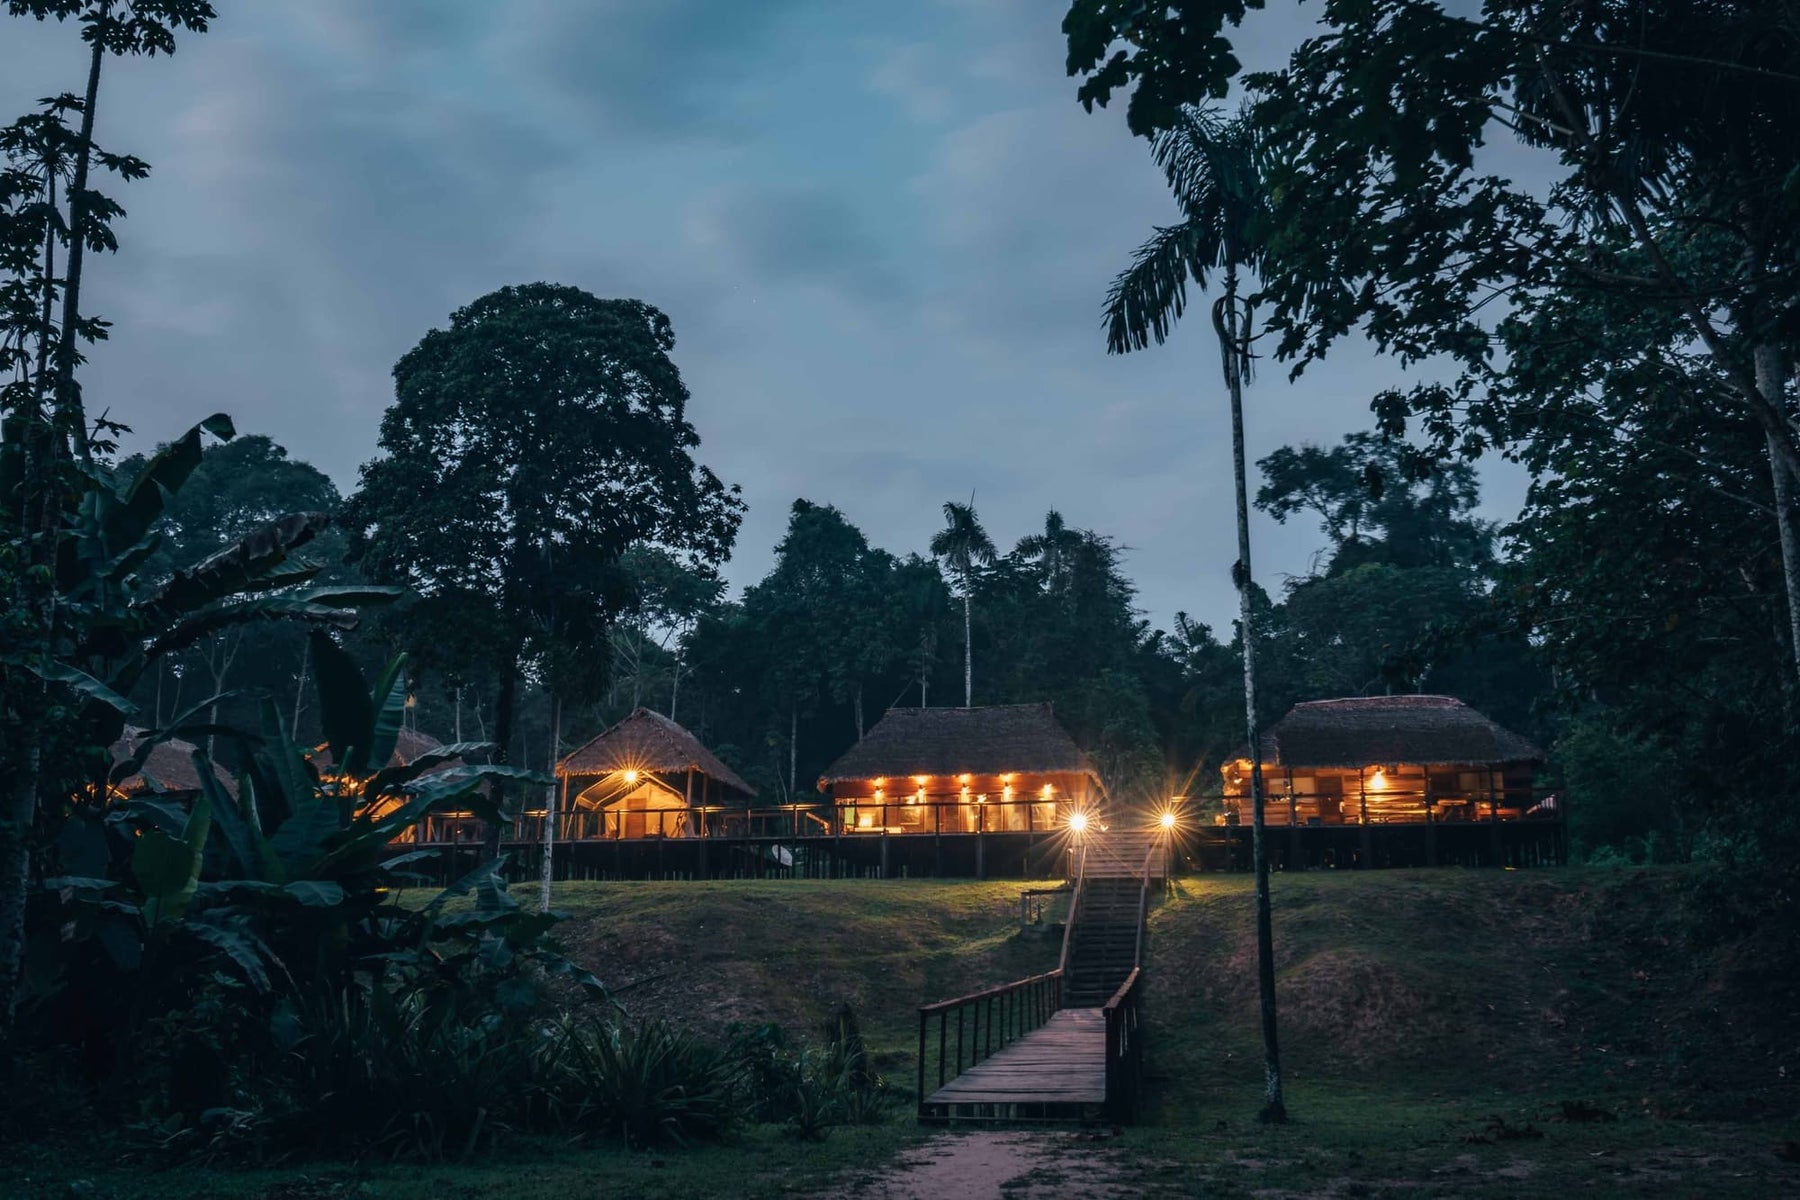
995 1166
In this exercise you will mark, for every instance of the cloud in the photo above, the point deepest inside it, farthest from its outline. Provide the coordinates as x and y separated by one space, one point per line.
640 67
797 233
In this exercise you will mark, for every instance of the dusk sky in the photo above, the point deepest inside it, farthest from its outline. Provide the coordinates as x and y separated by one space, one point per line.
882 231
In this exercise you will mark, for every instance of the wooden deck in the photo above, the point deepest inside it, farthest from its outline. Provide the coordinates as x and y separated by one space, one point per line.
1055 1072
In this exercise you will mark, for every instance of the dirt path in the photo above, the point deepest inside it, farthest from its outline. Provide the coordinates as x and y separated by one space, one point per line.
994 1166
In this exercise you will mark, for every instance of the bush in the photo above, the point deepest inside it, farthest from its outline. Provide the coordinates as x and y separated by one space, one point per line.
644 1082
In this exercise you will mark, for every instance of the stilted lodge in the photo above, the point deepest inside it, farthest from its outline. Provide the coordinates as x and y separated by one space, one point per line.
996 782
647 777
1396 780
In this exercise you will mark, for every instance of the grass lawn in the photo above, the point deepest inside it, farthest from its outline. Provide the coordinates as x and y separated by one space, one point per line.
1444 1034
761 1164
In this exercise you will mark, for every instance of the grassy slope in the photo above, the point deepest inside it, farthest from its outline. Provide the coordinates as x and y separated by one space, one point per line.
1416 1007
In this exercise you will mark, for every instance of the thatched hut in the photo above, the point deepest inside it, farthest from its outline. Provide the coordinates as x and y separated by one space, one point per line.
1002 768
168 767
1384 760
648 777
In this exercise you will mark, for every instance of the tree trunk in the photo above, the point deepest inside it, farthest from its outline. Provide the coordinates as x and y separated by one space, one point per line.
503 731
550 802
1770 381
675 685
856 703
793 754
68 402
968 650
1274 1103
15 871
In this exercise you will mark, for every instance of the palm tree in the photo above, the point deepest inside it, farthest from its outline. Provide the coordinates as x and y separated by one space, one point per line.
1212 166
1053 549
963 544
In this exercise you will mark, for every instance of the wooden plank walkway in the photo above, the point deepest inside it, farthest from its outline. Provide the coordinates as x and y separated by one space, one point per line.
1060 1065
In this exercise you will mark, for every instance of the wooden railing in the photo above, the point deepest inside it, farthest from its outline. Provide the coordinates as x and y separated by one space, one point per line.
1124 1049
985 1023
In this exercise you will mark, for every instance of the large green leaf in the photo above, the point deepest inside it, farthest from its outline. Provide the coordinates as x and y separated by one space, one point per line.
391 779
345 711
247 565
81 681
250 953
114 522
238 835
389 697
303 837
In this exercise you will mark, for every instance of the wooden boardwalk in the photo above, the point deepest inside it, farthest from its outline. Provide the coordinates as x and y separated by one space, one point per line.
1056 1071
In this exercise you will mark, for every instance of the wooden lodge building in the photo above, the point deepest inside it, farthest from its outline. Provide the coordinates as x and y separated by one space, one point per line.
647 777
991 788
1395 781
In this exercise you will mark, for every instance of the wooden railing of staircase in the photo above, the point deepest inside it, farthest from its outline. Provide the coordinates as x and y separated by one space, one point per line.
1062 964
1124 1030
986 1023
1021 1006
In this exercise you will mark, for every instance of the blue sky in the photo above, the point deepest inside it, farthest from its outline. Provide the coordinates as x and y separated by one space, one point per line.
882 231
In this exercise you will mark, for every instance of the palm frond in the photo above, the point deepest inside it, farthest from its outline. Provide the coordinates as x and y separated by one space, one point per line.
1148 297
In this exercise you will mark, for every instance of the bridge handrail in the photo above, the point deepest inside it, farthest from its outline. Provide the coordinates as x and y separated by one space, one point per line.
1017 1008
1124 1049
1062 963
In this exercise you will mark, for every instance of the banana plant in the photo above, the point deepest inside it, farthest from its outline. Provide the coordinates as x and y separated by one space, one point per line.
292 884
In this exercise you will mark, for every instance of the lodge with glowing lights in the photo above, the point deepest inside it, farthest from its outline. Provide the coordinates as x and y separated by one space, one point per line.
999 769
647 777
1397 780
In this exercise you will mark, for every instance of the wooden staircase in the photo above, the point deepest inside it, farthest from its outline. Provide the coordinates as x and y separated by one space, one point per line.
1103 940
1066 1045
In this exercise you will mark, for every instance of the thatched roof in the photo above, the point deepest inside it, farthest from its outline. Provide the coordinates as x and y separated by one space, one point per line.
408 745
951 741
169 766
1424 730
649 741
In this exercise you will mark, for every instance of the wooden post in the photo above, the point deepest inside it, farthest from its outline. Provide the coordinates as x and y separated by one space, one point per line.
1293 862
921 1060
1431 859
1362 817
1494 820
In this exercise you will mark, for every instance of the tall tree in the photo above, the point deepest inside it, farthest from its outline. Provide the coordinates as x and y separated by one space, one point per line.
117 27
1213 168
964 545
529 447
1672 128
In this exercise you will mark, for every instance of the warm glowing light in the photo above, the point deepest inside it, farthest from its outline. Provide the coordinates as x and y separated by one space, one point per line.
865 821
631 777
1006 778
880 782
1077 822
1167 820
963 778
920 779
1047 790
1378 780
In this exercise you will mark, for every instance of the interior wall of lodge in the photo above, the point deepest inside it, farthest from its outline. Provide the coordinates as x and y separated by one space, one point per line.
1382 794
1016 802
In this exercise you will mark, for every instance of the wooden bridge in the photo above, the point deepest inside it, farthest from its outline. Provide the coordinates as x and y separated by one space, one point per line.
1065 1045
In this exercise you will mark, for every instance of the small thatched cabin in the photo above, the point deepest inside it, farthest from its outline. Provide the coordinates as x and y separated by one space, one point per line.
1381 760
168 767
648 777
1004 768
